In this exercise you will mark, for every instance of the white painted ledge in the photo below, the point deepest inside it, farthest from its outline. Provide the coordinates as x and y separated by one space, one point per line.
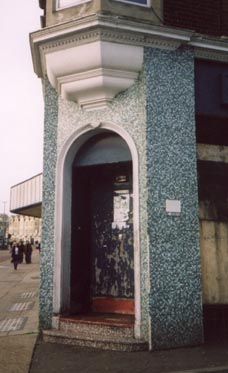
93 74
92 59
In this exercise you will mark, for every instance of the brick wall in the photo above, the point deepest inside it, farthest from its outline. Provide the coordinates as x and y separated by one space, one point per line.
203 16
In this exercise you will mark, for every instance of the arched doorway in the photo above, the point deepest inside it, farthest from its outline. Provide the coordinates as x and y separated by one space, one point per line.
102 239
63 216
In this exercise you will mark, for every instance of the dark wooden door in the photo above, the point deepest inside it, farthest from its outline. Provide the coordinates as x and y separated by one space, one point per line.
102 238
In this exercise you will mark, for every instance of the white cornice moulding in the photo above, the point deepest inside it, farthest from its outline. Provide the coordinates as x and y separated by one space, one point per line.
91 59
117 24
99 27
93 74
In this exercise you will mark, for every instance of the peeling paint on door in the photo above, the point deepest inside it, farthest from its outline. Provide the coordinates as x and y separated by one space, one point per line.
102 268
112 238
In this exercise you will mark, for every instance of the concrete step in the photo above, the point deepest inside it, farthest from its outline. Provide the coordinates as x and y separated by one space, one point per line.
97 328
94 340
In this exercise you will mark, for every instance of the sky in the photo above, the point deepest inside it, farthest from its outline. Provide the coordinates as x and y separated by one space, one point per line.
21 98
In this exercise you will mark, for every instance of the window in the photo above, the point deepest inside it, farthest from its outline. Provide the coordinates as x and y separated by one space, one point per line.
68 3
137 2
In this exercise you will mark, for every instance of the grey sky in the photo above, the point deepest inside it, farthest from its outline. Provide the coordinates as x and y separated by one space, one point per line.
21 100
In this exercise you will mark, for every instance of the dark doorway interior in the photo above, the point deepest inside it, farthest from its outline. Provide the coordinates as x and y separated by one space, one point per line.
102 270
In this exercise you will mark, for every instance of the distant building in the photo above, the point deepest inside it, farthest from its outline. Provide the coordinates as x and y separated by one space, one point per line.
26 197
135 201
26 202
25 228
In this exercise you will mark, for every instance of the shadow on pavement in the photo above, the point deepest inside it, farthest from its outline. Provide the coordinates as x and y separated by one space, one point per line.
55 358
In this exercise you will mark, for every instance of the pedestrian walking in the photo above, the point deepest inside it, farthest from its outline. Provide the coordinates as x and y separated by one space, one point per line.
15 255
21 250
28 252
37 244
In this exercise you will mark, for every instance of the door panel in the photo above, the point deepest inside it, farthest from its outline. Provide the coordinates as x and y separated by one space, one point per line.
107 249
80 242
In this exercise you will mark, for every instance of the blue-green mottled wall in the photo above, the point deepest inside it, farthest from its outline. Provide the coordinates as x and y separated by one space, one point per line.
48 205
175 296
158 114
63 118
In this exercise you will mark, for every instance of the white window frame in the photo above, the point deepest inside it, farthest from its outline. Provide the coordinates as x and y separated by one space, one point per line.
70 3
147 5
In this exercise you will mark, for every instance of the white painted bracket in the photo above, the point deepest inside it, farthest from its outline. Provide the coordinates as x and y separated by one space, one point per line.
93 74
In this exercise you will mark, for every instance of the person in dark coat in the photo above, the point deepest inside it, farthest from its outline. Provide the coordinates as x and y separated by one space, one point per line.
28 252
15 255
37 244
21 251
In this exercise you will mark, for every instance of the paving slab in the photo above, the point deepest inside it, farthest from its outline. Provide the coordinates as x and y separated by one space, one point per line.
19 291
16 352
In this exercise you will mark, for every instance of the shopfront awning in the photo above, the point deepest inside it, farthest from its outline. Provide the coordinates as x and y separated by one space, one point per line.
26 197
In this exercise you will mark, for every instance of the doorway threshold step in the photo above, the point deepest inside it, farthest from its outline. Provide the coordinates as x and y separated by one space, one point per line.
94 340
96 328
123 320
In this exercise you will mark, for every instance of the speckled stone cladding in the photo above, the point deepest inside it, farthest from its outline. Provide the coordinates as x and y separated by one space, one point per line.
63 119
128 111
158 114
48 205
175 296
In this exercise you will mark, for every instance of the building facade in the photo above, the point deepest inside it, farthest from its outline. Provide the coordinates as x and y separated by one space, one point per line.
134 208
24 228
25 204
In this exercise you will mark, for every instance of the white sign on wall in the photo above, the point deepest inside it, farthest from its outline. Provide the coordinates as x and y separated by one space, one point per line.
173 207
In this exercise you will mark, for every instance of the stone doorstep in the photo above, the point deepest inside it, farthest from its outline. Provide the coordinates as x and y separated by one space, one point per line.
94 340
97 329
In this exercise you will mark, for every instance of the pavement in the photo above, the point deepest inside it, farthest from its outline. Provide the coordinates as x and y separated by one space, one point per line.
19 293
22 351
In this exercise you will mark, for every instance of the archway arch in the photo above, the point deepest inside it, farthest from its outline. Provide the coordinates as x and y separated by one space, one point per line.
63 220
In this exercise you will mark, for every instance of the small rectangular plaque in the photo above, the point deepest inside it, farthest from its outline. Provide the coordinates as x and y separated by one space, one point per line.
173 207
